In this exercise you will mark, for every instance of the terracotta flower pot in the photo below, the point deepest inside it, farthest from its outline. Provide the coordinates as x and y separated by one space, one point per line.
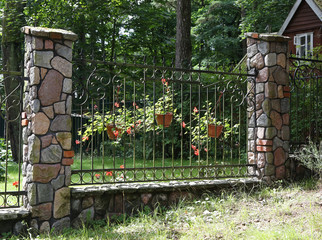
164 119
110 131
214 131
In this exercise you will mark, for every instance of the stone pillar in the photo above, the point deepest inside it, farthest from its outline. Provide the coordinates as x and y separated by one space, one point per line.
47 126
269 106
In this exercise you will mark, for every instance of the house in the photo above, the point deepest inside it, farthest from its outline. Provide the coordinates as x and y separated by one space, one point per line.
304 26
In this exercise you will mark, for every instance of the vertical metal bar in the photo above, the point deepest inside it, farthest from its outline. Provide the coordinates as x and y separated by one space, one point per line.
144 121
92 142
19 141
81 144
190 134
6 164
199 112
172 132
103 136
239 132
154 126
134 123
182 133
310 106
124 99
207 145
223 119
317 94
163 136
297 114
216 123
231 128
113 114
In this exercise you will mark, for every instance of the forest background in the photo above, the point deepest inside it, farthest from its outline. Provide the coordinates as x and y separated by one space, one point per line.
192 32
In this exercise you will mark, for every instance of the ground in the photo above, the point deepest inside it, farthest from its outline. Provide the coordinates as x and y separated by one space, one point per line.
283 211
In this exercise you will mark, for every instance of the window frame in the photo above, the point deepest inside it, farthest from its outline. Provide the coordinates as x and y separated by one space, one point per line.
308 46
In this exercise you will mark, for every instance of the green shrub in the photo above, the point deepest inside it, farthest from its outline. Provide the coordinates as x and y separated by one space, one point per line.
4 155
311 157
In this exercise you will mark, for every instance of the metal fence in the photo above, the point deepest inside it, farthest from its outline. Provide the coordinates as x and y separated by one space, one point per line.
306 91
121 129
11 142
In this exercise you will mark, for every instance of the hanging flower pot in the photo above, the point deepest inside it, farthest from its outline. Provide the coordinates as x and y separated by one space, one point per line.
214 131
164 119
113 132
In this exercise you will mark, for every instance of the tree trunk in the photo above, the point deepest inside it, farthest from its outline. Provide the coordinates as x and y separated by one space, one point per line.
12 42
183 41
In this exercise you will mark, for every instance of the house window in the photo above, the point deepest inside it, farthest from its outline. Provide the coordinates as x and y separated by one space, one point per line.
304 45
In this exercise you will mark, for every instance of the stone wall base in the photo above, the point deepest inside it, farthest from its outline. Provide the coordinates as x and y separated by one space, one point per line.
14 221
111 201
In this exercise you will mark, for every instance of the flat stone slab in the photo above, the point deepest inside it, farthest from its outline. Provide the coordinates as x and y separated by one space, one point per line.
268 37
162 186
13 213
49 32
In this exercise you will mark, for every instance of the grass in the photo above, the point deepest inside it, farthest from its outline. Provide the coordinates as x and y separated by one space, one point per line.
290 211
113 165
13 175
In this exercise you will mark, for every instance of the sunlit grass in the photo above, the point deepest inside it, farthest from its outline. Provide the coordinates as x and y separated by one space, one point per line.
278 212
109 169
12 176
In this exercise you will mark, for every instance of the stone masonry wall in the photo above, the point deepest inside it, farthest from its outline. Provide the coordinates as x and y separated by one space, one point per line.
269 106
110 201
47 153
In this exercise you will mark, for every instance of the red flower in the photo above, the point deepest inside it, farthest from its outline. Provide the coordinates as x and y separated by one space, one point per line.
164 81
128 130
78 142
197 152
116 133
109 173
116 104
139 121
97 175
195 110
85 138
16 183
193 147
183 124
206 150
95 107
122 166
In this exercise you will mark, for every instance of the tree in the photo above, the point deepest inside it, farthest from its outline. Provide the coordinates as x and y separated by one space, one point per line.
12 42
183 40
217 34
257 15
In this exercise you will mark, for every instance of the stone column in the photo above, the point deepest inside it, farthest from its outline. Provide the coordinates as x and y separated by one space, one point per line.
47 126
269 107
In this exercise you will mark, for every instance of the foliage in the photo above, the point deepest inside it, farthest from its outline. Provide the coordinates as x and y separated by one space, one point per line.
305 77
2 172
4 155
120 118
216 31
130 120
200 122
164 104
258 15
311 157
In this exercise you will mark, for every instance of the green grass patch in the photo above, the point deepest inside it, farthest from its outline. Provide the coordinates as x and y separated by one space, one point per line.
279 212
109 169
